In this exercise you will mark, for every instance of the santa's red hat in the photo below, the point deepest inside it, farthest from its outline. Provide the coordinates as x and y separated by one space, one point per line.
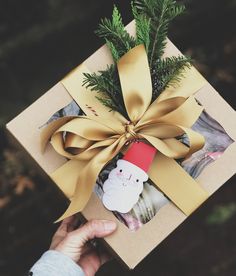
141 155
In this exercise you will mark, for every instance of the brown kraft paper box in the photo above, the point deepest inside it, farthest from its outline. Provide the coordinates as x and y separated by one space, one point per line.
130 247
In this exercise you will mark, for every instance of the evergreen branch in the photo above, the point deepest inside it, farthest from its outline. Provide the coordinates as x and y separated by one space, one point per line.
107 82
142 23
113 31
159 36
145 7
161 13
115 54
168 72
176 71
107 102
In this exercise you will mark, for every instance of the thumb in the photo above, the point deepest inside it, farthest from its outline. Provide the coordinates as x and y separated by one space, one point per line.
92 229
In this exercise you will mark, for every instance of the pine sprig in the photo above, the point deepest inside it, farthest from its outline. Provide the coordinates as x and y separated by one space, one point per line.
117 38
107 83
106 101
142 23
161 13
171 70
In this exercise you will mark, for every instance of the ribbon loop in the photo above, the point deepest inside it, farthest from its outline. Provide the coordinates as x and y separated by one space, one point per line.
135 82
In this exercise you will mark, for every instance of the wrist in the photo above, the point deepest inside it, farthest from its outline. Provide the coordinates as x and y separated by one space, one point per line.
72 253
54 262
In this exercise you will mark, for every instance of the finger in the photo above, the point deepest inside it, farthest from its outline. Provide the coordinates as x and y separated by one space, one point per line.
65 224
90 263
105 257
103 254
63 228
99 250
61 232
92 229
87 248
96 229
73 224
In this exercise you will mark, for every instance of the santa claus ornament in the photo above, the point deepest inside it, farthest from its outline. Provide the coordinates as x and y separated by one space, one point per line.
125 182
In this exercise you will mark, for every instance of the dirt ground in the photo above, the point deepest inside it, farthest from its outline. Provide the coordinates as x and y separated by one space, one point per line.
43 40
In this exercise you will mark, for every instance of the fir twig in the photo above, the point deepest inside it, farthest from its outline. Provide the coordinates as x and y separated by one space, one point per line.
168 72
107 102
117 38
161 13
107 82
142 23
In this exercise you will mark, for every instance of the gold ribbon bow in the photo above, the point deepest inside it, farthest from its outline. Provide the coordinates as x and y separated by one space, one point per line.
91 141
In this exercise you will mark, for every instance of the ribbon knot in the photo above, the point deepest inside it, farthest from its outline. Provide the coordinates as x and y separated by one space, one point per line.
130 134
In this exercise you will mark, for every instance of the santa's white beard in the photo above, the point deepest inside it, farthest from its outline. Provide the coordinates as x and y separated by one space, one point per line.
119 196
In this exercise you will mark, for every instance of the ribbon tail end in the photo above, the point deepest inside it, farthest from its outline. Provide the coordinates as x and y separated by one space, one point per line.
67 214
202 197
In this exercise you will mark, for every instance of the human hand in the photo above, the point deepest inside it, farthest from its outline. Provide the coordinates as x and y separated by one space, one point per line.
74 243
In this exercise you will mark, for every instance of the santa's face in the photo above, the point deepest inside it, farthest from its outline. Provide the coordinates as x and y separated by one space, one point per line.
128 175
123 187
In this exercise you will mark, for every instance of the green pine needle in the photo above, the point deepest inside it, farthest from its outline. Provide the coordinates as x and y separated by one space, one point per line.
107 82
161 13
107 102
117 38
142 23
168 72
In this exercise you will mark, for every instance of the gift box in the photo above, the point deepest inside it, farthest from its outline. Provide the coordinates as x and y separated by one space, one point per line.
216 166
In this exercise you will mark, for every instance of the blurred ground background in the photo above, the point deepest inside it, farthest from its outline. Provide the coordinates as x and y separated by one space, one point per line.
40 41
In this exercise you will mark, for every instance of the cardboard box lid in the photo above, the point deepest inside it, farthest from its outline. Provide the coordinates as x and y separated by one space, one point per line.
130 247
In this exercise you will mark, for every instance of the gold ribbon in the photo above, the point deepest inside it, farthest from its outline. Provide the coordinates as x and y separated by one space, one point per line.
91 141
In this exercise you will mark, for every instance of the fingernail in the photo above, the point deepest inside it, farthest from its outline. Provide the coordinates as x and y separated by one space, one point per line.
109 225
